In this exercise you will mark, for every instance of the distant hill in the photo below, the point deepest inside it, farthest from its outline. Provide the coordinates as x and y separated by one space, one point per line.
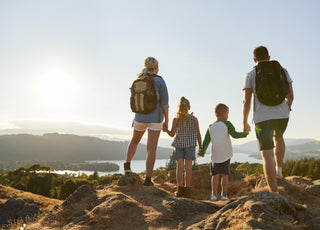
67 147
295 148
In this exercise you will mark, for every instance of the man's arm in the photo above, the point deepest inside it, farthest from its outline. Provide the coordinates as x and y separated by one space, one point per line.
289 98
246 108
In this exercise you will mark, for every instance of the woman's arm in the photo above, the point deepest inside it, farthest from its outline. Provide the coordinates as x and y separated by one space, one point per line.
166 120
173 128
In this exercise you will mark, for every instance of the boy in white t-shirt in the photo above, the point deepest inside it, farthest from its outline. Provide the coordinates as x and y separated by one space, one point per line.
221 152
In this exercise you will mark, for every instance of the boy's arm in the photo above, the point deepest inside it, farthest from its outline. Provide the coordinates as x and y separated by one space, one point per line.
205 143
232 131
198 133
173 128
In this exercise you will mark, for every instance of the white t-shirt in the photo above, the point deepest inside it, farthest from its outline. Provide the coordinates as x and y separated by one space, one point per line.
263 112
221 149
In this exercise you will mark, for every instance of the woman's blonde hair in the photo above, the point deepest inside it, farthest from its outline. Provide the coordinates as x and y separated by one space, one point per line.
150 64
183 110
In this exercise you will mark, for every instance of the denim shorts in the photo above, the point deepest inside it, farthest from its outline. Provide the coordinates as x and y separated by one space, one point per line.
266 130
186 153
220 168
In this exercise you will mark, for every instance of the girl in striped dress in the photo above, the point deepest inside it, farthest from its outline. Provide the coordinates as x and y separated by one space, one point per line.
186 133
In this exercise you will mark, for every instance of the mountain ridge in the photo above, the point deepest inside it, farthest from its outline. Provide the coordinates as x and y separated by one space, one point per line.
68 147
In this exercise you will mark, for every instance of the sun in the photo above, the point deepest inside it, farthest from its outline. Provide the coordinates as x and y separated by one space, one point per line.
57 89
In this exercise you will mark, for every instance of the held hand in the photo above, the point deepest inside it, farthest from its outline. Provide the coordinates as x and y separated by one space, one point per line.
247 128
165 127
200 154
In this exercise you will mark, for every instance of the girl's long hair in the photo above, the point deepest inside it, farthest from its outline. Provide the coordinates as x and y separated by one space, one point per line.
150 63
183 110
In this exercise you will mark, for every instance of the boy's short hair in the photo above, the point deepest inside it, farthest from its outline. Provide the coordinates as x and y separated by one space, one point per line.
220 108
261 53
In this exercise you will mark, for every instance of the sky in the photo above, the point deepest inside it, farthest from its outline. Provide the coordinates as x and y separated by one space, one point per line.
66 66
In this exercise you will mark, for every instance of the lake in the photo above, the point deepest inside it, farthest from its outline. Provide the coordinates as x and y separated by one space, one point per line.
139 166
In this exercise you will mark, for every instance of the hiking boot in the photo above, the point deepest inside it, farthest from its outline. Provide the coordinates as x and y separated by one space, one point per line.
127 168
224 198
187 192
147 182
179 192
213 198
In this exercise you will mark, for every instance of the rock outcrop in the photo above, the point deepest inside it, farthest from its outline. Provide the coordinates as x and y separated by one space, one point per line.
262 210
16 208
129 205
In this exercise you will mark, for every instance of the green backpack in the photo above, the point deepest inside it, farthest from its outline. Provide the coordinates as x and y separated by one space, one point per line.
143 97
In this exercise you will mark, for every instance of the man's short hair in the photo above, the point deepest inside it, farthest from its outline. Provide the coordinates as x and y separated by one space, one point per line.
261 53
220 108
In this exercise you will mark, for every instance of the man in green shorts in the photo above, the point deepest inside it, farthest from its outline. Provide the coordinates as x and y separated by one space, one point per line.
270 121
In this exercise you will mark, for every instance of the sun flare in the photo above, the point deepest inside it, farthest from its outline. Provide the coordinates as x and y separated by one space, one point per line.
57 90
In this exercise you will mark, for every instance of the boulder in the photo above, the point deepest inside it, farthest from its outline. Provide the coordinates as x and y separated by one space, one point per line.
17 208
299 180
313 190
160 179
262 210
82 192
131 179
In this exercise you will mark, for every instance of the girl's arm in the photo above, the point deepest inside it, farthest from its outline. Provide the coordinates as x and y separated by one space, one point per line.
173 128
196 125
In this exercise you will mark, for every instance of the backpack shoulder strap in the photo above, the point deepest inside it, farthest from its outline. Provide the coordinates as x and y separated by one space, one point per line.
153 75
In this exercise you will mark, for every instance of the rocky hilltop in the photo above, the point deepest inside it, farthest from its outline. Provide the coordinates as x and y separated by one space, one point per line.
129 205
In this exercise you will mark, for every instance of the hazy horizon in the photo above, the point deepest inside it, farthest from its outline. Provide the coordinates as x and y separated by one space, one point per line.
95 130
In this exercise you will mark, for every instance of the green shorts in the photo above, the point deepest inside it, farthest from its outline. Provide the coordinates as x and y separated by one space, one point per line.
266 130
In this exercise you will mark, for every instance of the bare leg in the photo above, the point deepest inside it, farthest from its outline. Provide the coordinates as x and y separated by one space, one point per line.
179 171
153 137
188 168
132 147
280 148
215 182
224 183
269 169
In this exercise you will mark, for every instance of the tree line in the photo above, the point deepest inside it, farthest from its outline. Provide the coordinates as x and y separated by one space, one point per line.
5 166
40 179
305 167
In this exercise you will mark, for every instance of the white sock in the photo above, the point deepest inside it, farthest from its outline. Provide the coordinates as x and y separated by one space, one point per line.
279 171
